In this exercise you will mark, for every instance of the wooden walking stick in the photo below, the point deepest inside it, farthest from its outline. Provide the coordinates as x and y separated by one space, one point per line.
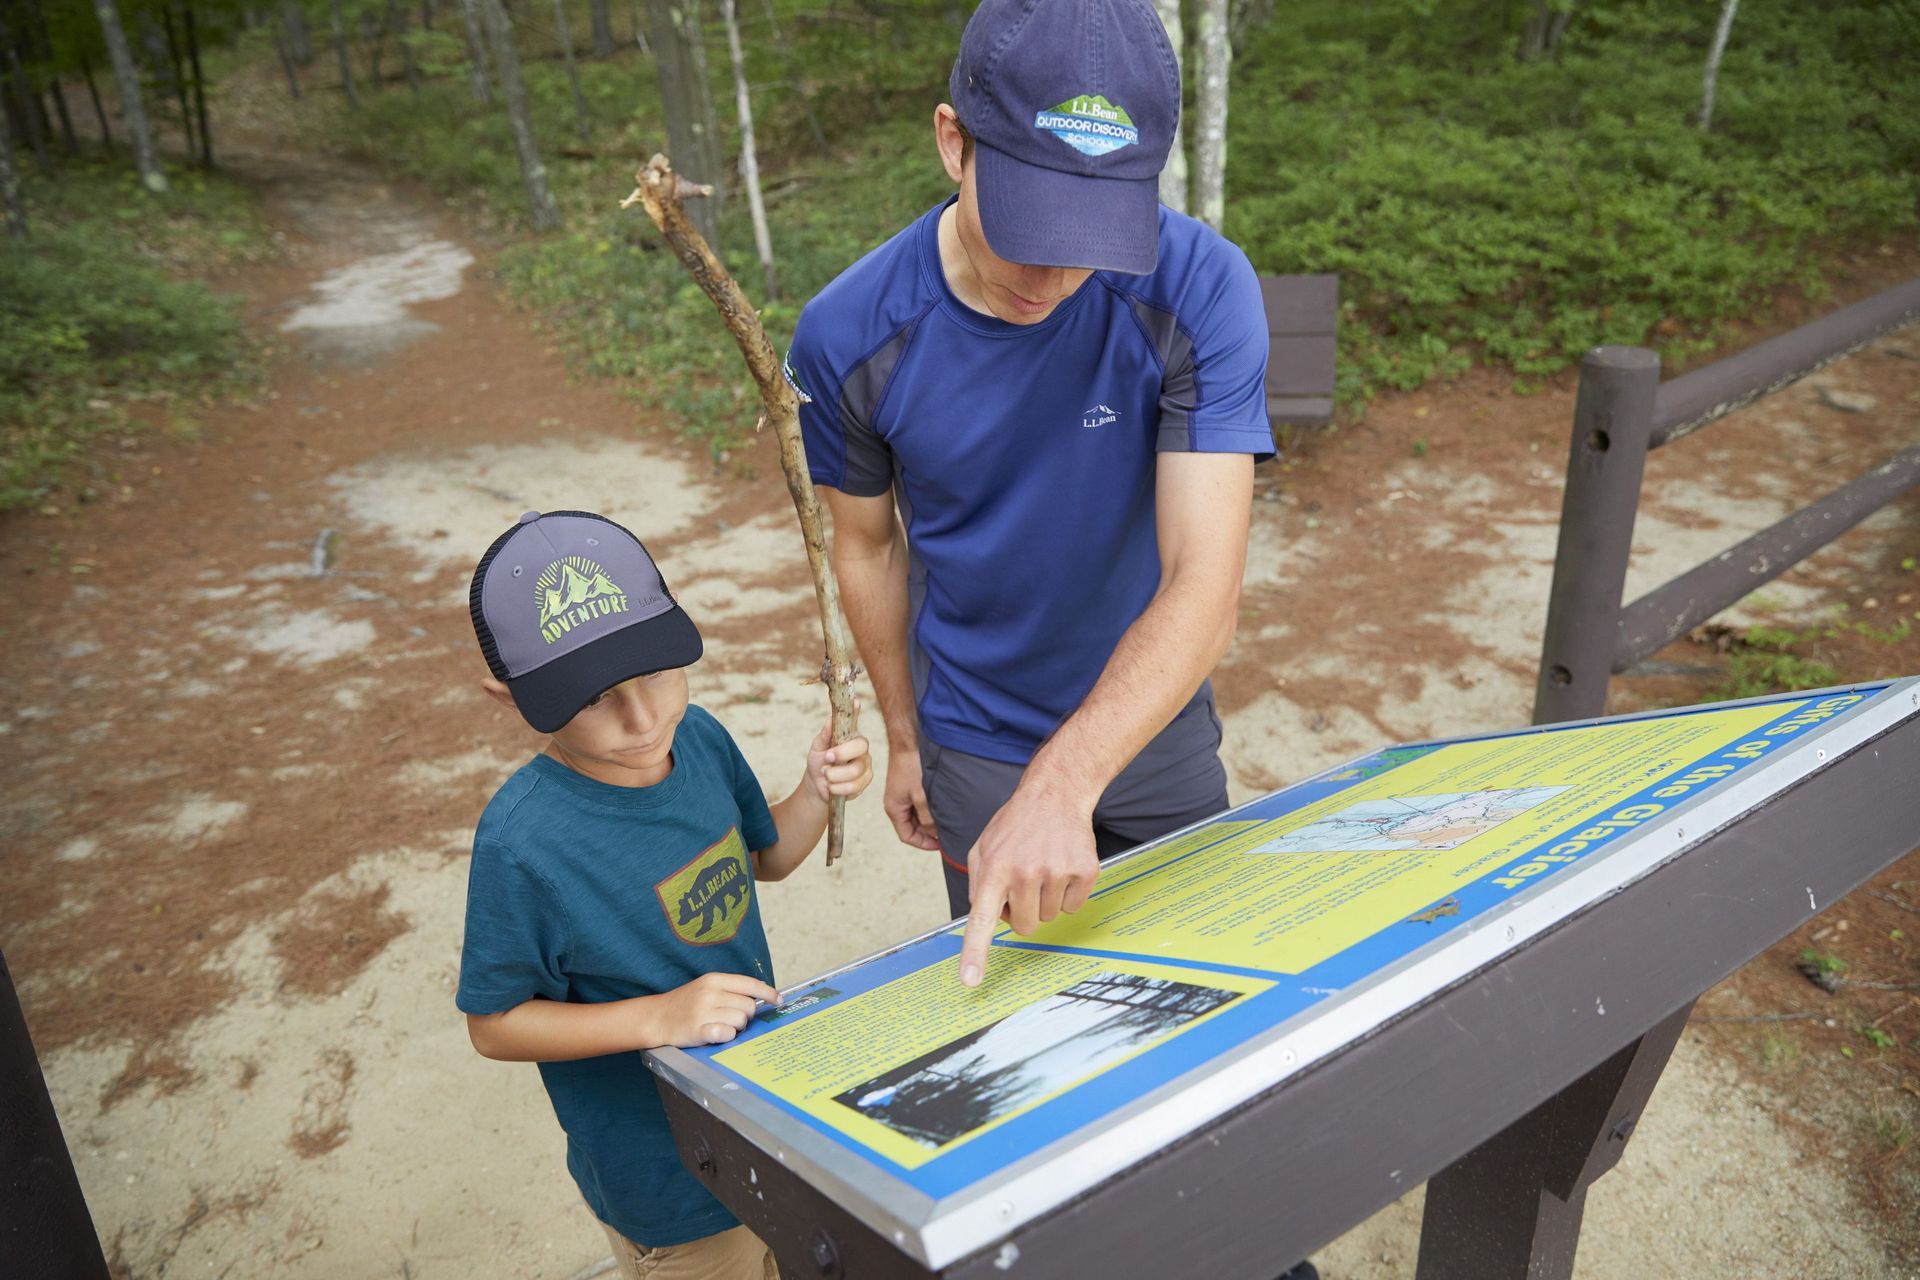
661 190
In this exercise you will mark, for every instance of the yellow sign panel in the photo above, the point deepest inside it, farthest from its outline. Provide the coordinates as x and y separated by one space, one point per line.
1284 895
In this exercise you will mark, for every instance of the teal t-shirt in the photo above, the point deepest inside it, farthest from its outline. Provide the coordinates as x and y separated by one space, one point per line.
587 892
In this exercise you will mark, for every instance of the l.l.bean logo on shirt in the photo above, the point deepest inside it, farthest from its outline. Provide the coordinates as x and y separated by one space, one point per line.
706 900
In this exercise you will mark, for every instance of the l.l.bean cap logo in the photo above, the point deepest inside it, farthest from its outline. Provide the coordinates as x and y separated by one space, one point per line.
1089 124
573 592
707 900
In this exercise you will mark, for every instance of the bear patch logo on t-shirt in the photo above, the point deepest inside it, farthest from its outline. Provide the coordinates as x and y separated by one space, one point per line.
707 899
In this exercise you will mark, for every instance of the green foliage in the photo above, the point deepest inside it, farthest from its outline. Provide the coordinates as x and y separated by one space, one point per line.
1825 963
1481 209
1763 662
1478 210
92 312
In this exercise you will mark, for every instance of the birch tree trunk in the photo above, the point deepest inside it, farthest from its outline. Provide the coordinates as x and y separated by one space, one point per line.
476 53
1210 111
340 49
506 59
684 93
299 43
145 158
573 70
749 160
1711 79
1173 178
602 30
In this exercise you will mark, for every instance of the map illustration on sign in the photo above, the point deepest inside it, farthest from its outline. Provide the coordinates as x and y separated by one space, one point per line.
1411 822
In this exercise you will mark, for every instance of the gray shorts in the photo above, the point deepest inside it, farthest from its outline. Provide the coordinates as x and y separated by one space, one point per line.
1177 779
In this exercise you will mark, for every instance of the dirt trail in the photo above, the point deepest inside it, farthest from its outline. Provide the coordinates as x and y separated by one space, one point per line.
242 751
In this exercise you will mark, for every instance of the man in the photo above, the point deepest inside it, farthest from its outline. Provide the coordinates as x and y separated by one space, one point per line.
1061 386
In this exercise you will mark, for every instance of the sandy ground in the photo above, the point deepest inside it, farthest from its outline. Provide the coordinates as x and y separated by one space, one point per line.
243 750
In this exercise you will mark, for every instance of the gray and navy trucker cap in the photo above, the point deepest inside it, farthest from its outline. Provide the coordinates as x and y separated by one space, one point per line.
568 604
1073 106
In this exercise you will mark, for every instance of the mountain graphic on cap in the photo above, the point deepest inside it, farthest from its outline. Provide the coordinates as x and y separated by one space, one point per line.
576 581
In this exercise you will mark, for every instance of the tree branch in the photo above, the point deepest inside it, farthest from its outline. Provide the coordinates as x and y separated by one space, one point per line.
661 190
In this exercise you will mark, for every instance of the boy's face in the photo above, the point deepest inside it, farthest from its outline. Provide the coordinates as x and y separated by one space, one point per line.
624 736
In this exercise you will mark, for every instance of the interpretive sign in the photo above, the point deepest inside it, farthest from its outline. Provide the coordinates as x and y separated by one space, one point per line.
1214 963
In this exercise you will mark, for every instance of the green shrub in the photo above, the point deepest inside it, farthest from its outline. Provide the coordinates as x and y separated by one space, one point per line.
93 313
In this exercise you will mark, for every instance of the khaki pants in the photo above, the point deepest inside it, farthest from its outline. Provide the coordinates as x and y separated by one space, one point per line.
729 1255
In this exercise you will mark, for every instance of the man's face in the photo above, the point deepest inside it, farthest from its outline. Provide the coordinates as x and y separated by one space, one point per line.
1011 291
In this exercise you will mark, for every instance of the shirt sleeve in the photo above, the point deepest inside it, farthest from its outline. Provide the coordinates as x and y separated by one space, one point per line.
1214 396
844 451
756 819
517 935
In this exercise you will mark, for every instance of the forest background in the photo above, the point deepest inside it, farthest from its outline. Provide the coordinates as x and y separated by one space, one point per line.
1503 183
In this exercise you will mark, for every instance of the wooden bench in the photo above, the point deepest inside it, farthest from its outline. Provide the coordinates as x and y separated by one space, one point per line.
1302 314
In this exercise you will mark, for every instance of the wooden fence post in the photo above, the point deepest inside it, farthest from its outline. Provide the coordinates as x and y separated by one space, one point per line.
1612 424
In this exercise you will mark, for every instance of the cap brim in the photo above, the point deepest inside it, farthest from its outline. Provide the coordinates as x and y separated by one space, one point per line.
1044 218
554 692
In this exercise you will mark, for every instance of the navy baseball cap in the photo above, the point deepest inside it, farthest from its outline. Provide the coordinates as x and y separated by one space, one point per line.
568 604
1073 106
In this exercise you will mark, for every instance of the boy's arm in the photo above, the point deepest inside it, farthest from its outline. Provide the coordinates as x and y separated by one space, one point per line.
711 1009
801 818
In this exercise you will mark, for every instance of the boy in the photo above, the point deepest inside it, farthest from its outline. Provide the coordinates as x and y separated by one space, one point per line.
610 903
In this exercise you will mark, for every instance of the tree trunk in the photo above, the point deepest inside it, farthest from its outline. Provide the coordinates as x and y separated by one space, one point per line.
374 31
299 42
476 53
602 30
749 161
1210 111
144 155
426 15
1173 178
1546 23
10 184
286 61
507 60
340 50
93 91
671 32
703 84
199 89
1247 14
1710 80
397 19
179 79
573 70
32 115
55 89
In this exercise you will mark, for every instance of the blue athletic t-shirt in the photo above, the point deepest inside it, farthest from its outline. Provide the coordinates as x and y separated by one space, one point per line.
587 892
1022 456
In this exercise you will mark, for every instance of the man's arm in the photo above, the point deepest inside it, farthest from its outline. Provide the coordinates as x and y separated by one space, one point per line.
870 560
1036 857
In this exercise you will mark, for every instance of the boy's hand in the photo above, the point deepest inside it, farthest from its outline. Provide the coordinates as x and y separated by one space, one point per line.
711 1009
843 770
